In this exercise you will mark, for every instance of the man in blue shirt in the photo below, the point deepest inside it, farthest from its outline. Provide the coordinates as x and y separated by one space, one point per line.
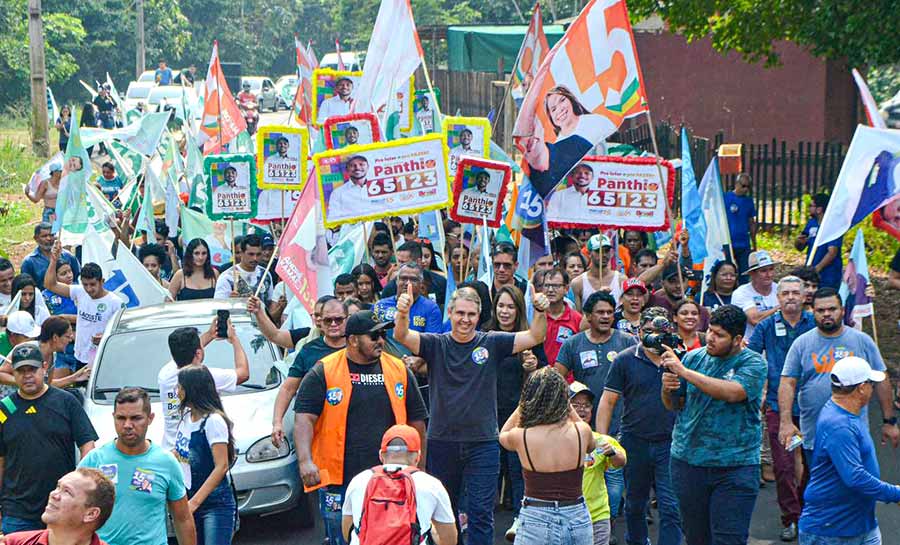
39 260
827 260
773 337
741 212
163 74
717 392
845 480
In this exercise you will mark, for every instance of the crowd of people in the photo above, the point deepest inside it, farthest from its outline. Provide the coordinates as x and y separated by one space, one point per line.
602 381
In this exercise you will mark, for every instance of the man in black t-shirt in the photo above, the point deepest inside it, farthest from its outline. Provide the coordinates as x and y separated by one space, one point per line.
322 405
106 107
39 428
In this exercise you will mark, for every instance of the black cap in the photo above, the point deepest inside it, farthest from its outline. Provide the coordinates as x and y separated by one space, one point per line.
364 322
27 354
268 241
670 271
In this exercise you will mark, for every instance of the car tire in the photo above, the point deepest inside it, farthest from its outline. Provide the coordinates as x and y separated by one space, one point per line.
307 509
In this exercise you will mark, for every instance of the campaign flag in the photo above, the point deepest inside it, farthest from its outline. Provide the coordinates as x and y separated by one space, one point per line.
143 135
691 204
337 48
306 63
90 89
71 201
302 249
52 108
431 227
393 55
222 119
869 178
123 274
857 305
872 114
531 55
350 248
718 237
146 222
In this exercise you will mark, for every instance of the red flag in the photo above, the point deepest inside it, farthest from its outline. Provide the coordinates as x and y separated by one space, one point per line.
337 48
301 247
306 63
872 114
222 119
531 55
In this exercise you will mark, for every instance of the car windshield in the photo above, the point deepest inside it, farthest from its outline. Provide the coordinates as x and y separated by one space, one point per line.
149 75
138 92
118 365
255 84
286 80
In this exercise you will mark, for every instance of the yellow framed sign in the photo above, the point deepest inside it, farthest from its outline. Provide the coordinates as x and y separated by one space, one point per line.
332 93
466 136
367 182
282 155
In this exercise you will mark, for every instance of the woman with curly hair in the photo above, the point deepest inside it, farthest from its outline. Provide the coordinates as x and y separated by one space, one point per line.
553 510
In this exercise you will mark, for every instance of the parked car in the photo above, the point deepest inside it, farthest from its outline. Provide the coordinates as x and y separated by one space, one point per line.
135 347
264 91
353 60
286 88
138 91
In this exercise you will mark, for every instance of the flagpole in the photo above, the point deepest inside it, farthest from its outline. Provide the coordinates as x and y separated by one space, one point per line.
874 326
282 211
666 198
219 112
234 263
266 272
366 241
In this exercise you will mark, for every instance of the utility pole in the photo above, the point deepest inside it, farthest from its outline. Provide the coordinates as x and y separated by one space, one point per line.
141 54
40 129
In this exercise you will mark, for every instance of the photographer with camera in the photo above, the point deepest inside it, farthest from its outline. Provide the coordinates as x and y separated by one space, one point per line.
646 430
716 439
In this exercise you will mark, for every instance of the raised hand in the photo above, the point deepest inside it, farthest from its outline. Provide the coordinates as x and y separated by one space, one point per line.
405 301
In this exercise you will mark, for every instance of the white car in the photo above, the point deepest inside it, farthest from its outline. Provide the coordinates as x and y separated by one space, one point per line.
353 60
138 91
135 347
264 91
150 75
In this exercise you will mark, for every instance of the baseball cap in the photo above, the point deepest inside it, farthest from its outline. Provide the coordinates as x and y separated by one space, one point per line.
579 388
760 259
268 241
598 241
853 370
408 434
634 283
27 355
22 323
343 78
670 271
364 322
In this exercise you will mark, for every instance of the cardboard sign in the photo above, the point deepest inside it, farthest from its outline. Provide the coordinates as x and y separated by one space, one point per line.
332 93
353 129
281 157
469 136
623 192
478 191
425 112
231 191
383 179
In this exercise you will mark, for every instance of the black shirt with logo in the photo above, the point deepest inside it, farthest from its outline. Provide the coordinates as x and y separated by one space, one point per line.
369 414
37 442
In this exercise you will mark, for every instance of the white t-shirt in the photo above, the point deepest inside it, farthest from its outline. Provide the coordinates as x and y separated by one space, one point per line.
746 298
225 379
246 284
216 432
331 107
432 500
92 317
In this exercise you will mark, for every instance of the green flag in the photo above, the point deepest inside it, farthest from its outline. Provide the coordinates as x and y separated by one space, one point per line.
71 202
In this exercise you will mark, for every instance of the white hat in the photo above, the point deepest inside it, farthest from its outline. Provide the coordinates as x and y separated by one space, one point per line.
854 370
21 322
760 259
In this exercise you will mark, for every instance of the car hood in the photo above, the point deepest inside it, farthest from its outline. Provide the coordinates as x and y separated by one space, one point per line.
250 412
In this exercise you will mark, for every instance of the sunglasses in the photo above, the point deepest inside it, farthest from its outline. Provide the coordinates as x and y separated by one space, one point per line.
376 335
334 321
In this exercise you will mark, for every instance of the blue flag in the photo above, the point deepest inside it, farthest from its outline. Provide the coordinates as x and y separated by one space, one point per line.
691 205
857 305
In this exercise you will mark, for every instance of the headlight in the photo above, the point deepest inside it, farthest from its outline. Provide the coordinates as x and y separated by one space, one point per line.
263 451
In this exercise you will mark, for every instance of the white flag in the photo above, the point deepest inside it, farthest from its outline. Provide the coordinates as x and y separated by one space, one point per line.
123 274
718 237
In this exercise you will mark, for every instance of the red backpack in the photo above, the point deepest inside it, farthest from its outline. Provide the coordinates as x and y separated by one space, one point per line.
389 509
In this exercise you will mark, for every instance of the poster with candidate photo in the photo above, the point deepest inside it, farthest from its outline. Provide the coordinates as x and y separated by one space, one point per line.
382 179
332 93
478 191
281 157
425 111
350 130
469 136
231 191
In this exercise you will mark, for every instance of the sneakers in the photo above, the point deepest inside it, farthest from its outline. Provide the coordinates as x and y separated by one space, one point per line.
790 532
511 532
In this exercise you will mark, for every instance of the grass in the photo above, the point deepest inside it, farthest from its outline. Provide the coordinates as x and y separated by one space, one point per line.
17 163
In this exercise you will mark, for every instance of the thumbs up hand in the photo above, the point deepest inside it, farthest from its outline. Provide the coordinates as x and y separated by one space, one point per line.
405 301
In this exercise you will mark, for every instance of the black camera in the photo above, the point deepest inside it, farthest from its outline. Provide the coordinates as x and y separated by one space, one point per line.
658 342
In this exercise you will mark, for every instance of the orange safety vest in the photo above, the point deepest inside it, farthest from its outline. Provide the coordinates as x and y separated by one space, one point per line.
329 433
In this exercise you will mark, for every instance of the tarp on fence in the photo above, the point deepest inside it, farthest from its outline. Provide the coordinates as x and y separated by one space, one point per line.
477 48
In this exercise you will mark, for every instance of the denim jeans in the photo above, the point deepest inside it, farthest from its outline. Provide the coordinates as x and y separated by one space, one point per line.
331 502
569 525
516 480
742 256
649 460
615 488
15 524
716 502
215 525
477 466
872 538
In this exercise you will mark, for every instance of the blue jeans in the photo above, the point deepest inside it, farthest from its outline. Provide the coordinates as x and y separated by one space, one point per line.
569 525
649 461
516 480
742 256
331 502
215 525
716 502
872 538
615 487
15 524
477 465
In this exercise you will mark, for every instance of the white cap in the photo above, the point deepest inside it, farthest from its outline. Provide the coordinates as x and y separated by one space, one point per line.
854 370
22 323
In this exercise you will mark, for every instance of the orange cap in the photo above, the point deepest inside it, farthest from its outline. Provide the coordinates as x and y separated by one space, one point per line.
408 434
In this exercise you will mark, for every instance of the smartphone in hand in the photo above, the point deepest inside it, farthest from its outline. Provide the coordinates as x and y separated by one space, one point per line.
222 324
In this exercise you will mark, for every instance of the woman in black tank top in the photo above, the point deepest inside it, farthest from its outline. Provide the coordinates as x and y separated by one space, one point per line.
551 441
196 279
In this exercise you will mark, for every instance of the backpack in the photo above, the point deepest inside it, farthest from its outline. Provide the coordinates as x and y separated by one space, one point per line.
389 509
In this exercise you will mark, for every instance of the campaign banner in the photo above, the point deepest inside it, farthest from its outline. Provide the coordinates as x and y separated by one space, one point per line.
352 129
281 157
231 191
425 112
333 93
604 192
478 191
466 136
383 179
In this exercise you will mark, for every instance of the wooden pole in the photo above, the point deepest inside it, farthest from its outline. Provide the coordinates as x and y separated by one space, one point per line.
40 132
141 56
262 279
874 325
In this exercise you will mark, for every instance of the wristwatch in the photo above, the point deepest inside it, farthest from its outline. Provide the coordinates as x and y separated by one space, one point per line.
892 421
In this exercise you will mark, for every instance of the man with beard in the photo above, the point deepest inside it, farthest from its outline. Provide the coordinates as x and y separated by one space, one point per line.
279 167
382 252
340 104
39 260
351 198
464 148
808 366
573 197
351 135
